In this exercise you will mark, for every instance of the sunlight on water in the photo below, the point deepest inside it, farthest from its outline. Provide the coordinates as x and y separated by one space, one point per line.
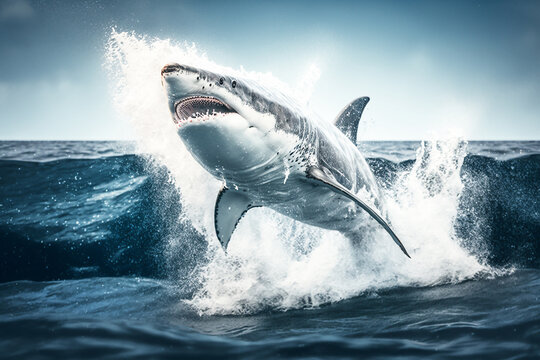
273 261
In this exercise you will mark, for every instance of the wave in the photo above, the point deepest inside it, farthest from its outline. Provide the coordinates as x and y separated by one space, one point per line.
122 215
85 217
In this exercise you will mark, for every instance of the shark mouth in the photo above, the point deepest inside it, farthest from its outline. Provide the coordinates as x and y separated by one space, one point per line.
200 108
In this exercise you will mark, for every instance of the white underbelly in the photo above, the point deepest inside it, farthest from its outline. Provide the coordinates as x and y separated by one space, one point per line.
317 205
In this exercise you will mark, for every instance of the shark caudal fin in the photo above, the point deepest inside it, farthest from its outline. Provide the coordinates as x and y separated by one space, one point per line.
348 119
319 176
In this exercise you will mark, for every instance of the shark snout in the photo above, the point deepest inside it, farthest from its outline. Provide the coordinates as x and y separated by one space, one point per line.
169 68
175 67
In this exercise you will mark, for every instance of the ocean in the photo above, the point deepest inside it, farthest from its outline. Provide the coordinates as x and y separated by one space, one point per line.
106 254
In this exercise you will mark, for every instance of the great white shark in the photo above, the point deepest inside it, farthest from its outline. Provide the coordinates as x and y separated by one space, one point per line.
269 152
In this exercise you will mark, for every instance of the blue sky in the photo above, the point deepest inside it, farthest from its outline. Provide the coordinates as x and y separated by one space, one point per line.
429 66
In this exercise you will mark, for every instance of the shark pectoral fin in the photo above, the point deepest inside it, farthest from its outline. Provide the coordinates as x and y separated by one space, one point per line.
348 119
320 177
231 205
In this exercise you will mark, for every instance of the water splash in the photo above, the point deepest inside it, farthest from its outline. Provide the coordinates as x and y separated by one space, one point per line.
304 89
274 262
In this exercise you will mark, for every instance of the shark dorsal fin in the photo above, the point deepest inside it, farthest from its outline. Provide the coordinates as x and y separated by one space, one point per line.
316 174
231 205
348 119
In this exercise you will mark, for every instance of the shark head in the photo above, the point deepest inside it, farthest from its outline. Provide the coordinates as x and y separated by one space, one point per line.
227 123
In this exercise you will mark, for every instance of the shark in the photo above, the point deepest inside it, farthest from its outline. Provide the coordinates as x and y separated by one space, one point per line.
268 151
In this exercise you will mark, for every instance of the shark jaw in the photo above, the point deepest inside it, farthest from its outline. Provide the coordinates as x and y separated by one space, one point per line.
223 132
200 108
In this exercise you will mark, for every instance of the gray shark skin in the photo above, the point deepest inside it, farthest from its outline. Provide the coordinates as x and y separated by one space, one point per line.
267 152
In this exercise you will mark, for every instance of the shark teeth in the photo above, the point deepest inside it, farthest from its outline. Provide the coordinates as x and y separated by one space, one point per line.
199 108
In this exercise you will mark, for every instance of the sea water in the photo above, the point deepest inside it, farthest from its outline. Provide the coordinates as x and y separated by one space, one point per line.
108 248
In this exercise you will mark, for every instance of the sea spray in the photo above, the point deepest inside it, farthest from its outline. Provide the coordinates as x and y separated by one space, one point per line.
274 262
422 206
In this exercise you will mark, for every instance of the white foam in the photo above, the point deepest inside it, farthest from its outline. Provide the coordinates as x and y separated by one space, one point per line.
274 262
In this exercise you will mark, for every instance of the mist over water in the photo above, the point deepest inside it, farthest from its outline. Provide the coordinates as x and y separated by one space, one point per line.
274 262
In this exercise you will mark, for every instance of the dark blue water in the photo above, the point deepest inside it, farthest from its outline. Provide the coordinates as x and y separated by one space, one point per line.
86 268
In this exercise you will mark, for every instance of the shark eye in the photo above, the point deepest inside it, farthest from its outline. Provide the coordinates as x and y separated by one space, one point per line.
234 83
221 81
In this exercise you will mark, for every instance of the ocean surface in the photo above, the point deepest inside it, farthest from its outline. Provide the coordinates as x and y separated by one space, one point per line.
106 253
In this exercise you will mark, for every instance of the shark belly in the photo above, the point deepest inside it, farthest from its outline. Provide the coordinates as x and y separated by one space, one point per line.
306 202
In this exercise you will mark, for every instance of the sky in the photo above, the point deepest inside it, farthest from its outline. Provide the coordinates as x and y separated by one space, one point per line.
470 68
